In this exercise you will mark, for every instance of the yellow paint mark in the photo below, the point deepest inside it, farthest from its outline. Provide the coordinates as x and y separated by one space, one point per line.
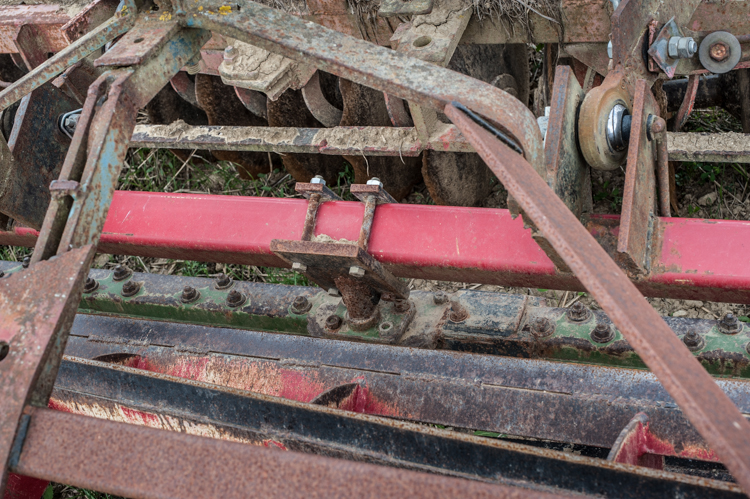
225 10
200 7
167 16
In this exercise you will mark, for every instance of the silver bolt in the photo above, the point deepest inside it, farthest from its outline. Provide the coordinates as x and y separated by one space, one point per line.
317 179
375 181
229 53
356 271
299 267
682 47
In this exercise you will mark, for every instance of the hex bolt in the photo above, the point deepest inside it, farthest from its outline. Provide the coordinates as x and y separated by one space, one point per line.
130 288
189 294
578 313
729 324
26 262
375 181
121 273
602 333
333 322
440 298
356 271
693 340
299 267
235 298
229 54
317 179
300 305
401 306
541 327
91 285
682 47
223 281
718 51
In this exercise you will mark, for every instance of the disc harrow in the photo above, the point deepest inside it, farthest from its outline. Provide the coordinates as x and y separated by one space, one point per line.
146 385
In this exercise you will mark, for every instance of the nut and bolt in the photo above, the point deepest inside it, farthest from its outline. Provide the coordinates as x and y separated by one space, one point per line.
193 67
223 281
718 51
130 288
189 294
299 267
317 179
356 271
229 54
333 322
693 340
440 298
235 298
682 47
26 261
375 181
578 313
121 273
541 327
729 324
401 306
300 305
91 285
602 333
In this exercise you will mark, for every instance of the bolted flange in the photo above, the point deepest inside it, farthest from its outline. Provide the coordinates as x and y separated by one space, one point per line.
730 324
578 313
223 281
541 327
130 288
333 322
301 305
121 273
235 299
189 294
91 285
693 341
602 333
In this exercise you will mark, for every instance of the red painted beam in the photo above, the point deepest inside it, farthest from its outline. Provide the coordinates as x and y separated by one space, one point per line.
696 259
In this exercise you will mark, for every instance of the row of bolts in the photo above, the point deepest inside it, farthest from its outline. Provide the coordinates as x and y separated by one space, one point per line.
541 327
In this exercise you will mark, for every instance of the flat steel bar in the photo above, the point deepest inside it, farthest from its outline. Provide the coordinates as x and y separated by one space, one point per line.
77 51
135 461
726 147
163 401
417 81
373 141
582 405
712 413
424 242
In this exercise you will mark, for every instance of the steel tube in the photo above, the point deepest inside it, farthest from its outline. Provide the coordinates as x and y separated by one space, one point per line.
423 242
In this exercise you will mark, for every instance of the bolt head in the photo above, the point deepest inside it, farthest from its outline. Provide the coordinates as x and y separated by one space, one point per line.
230 52
223 281
235 298
121 273
440 298
333 292
90 286
729 324
333 322
299 267
375 181
317 179
189 294
542 327
693 340
130 288
401 306
300 305
718 51
356 271
578 312
602 333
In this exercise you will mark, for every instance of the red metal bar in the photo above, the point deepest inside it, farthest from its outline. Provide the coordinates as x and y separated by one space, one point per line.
696 259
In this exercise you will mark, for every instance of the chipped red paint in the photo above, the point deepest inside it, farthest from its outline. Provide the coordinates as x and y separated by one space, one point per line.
140 417
274 444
